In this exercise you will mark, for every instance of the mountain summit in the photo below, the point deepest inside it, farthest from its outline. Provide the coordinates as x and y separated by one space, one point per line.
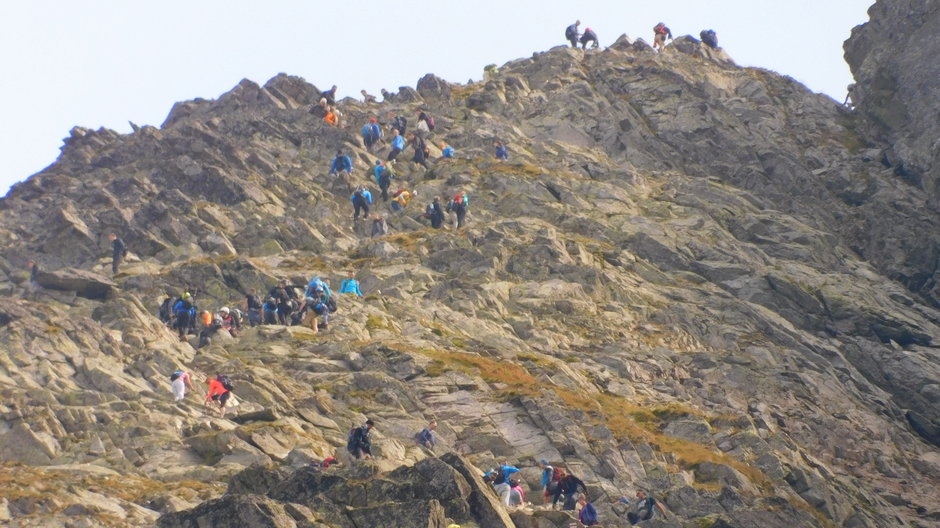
688 277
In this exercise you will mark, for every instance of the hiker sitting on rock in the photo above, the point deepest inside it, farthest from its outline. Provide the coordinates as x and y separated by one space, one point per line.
589 36
211 325
447 151
426 437
568 486
645 508
179 381
359 442
220 390
228 321
341 163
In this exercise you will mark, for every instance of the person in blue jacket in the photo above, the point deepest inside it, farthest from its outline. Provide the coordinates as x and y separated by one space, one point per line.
383 178
350 285
501 152
398 145
500 479
341 163
447 151
371 134
588 514
589 36
361 200
312 287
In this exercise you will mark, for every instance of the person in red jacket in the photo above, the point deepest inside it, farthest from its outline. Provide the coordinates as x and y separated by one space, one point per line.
218 392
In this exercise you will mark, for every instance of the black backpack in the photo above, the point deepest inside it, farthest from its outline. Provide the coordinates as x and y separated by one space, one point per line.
227 383
352 440
175 375
331 303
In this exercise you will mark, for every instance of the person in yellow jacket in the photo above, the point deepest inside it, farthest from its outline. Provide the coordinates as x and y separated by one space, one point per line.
401 198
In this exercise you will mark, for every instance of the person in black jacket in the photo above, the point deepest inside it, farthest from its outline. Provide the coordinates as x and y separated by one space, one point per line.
435 213
119 251
571 33
329 95
589 36
359 444
568 486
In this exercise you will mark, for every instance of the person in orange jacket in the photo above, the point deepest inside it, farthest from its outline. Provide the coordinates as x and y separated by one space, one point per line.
220 390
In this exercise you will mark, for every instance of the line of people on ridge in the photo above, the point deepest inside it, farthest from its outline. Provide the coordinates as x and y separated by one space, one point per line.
660 33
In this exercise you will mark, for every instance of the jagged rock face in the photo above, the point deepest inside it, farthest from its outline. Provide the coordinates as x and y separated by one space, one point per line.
894 60
689 277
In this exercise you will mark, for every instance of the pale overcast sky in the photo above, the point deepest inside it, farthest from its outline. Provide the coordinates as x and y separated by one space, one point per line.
102 63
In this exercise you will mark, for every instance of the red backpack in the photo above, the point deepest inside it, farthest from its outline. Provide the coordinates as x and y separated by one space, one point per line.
659 28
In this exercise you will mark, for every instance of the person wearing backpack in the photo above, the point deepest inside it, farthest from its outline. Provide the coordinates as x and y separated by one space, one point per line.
118 252
401 198
341 163
588 514
660 33
571 34
371 134
361 200
183 311
398 145
589 36
550 476
398 123
501 482
384 175
710 38
459 205
435 213
359 441
179 381
166 309
220 390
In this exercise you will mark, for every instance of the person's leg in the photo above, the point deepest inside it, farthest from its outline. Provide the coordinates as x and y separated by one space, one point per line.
570 502
358 207
223 399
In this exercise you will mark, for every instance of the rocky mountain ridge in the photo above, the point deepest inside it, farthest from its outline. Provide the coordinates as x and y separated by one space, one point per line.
690 277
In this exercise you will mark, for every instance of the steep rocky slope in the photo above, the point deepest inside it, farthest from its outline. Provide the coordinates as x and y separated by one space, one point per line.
690 277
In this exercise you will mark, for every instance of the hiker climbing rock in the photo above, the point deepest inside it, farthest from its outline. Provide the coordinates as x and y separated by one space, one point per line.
383 176
500 479
183 310
660 33
516 493
425 438
568 487
435 213
253 307
315 304
285 296
571 34
401 198
398 123
420 149
447 152
550 476
501 152
179 382
32 286
459 205
710 38
329 95
398 145
220 390
589 36
361 200
371 134
645 508
317 283
118 252
359 441
350 285
341 163
269 311
366 98
588 514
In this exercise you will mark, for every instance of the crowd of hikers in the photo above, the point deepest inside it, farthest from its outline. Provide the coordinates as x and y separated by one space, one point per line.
660 34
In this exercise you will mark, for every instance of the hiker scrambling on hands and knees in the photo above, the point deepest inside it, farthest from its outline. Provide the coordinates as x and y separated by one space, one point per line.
341 163
660 33
426 437
571 34
645 508
359 443
589 36
220 390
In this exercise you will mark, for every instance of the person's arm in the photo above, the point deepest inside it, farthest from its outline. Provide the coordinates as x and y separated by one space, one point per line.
557 494
358 291
661 508
579 482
